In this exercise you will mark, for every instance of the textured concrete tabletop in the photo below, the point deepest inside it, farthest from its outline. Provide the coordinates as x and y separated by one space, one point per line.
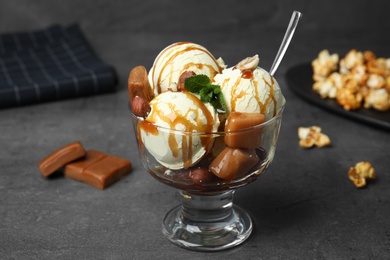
304 207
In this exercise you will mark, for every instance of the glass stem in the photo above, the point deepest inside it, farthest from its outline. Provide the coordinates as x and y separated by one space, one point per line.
216 207
207 222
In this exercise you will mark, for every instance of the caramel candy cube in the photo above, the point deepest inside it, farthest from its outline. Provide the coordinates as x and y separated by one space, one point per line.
233 162
106 171
60 158
138 84
74 170
250 138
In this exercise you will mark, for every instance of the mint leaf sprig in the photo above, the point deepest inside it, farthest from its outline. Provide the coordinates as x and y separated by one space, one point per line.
209 93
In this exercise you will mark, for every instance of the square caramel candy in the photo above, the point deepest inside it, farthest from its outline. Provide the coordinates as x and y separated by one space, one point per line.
106 171
246 138
99 170
59 158
233 162
74 170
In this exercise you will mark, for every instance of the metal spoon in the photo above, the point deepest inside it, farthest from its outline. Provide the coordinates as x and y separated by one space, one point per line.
286 41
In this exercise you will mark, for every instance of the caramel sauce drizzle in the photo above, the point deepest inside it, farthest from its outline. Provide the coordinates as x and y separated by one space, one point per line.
200 66
236 94
172 120
161 54
271 95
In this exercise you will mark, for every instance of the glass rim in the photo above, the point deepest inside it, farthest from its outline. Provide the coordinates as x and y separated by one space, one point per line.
183 132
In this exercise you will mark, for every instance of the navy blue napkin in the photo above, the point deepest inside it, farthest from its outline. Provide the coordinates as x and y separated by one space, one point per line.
50 64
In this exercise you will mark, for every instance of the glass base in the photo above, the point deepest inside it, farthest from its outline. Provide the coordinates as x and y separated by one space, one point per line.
207 222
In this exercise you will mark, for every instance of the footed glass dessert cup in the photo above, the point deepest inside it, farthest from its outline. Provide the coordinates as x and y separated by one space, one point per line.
207 168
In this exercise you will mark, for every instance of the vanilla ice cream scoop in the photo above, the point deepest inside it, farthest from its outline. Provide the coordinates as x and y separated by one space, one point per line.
177 58
182 111
249 88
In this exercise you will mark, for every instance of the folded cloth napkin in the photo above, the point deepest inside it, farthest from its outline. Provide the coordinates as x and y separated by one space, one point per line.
50 64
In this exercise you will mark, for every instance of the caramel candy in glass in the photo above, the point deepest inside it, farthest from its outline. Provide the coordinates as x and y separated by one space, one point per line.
60 158
233 162
138 84
250 138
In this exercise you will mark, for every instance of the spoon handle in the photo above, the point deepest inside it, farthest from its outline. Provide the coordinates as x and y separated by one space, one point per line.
286 41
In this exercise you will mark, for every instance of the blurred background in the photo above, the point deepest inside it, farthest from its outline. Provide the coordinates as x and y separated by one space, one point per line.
125 33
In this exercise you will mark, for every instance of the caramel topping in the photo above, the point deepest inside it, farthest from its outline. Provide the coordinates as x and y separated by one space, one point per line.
233 163
249 138
236 93
148 127
247 74
271 95
138 84
174 119
211 69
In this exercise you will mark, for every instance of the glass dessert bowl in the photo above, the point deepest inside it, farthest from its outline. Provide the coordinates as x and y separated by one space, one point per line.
207 168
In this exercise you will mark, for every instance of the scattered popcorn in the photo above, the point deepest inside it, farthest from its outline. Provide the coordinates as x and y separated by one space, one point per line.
360 173
360 79
310 136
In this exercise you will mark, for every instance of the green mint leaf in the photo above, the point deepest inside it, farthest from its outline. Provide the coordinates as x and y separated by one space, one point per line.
216 89
195 83
215 103
209 93
206 94
221 100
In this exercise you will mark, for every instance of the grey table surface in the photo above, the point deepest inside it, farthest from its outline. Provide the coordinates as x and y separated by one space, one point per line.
304 207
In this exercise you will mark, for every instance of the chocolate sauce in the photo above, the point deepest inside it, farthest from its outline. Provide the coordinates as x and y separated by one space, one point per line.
181 179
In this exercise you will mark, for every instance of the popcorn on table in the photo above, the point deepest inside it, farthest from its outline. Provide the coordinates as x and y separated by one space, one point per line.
361 172
312 136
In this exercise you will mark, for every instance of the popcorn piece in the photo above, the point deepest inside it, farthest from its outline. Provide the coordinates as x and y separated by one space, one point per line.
337 79
328 87
369 55
349 99
360 74
375 81
360 173
325 88
378 66
352 59
324 65
378 99
310 136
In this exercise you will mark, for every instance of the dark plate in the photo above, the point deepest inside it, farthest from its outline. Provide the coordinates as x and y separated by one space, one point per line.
299 79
